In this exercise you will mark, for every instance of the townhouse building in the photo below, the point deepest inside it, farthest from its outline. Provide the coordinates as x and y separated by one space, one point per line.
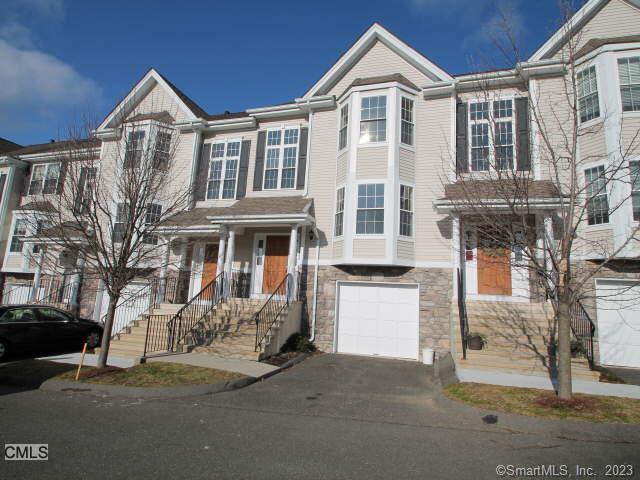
353 196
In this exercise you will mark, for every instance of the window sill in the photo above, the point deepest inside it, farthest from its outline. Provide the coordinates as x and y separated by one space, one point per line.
372 236
372 144
410 148
631 114
344 150
406 238
591 123
598 227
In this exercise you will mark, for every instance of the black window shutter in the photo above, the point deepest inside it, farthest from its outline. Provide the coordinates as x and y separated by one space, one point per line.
203 172
523 155
462 153
80 193
243 169
3 180
302 158
27 181
259 167
61 177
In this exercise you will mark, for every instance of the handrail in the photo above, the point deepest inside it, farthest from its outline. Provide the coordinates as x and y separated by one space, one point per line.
462 312
583 328
58 293
134 306
178 326
268 315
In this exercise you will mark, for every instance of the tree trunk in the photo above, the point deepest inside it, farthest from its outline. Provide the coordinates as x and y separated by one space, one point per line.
563 355
106 335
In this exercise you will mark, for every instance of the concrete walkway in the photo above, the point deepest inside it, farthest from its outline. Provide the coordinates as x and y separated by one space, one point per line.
629 375
246 367
90 360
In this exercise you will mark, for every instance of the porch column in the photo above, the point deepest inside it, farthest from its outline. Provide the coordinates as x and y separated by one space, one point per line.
222 245
37 276
228 266
97 306
75 286
548 241
293 259
162 288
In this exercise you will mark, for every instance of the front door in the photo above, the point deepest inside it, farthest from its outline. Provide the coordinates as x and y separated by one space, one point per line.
210 264
494 271
275 262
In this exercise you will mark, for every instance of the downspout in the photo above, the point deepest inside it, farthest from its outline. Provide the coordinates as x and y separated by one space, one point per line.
315 285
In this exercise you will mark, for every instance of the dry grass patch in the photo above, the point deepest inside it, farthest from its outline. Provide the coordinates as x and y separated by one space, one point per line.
156 374
542 403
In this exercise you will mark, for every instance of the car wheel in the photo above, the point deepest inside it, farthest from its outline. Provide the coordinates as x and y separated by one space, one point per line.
93 339
4 349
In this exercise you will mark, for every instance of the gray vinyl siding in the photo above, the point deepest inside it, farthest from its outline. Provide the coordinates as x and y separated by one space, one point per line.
372 162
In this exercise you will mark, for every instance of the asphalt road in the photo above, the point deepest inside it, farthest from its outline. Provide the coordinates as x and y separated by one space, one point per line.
329 417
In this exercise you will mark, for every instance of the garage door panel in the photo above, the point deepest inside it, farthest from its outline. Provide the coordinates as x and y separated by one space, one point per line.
375 319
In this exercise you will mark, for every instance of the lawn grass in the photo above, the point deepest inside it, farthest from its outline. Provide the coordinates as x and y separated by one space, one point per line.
543 403
156 374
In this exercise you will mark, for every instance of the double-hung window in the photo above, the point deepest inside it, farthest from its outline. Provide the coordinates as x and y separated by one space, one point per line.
134 149
503 135
223 169
281 160
629 74
86 189
597 202
588 103
344 127
492 139
19 234
406 121
151 220
370 214
120 222
44 179
479 116
406 211
373 119
634 168
339 221
162 150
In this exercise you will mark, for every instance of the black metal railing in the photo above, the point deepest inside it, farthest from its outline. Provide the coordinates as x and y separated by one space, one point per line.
583 329
177 288
462 311
240 285
130 308
178 326
268 315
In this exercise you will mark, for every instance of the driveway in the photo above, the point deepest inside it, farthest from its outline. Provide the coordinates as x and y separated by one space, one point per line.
329 417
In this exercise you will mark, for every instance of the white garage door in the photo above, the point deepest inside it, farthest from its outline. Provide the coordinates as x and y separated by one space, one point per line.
378 319
618 305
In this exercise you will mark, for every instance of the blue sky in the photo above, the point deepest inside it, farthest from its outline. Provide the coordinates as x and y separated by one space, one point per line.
64 60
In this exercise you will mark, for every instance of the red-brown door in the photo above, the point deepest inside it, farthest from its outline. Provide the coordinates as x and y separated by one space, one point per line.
494 271
210 267
275 262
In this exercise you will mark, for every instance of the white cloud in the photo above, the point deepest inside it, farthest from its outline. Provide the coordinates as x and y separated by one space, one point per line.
16 34
30 77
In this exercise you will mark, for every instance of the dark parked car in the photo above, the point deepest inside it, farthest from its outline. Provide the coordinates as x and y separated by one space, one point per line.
32 329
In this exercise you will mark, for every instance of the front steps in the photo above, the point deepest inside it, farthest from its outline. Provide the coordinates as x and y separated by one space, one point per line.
518 339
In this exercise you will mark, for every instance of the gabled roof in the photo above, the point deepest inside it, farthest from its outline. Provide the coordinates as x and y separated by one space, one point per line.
8 146
376 32
573 25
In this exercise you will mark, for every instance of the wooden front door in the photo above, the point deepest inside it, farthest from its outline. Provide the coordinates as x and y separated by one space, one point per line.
275 262
210 264
494 271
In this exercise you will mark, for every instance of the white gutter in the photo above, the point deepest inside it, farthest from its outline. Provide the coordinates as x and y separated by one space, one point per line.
315 285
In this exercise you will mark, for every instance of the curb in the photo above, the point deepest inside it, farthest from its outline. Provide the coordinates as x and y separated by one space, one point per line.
284 366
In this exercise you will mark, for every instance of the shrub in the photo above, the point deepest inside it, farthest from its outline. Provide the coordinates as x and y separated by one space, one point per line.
298 343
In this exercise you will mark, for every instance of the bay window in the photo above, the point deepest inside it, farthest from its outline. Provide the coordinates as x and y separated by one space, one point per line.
134 149
597 202
406 211
634 168
370 213
162 150
151 220
339 220
223 169
18 236
629 75
588 102
406 121
373 119
344 127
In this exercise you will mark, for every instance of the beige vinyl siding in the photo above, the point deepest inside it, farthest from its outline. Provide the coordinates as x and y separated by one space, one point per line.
341 169
407 165
14 261
405 249
338 248
372 162
378 60
433 144
630 135
369 247
159 100
595 242
592 144
322 175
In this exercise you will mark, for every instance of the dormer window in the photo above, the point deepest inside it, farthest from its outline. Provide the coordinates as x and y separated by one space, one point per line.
373 119
44 179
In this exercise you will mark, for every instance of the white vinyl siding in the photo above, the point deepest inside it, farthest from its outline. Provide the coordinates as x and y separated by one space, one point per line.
588 102
629 75
281 160
598 204
223 169
373 119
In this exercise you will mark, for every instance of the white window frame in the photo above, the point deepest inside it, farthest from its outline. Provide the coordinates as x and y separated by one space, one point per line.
151 238
622 85
411 212
383 208
597 94
386 118
22 236
140 146
491 121
411 123
343 127
338 212
224 160
45 177
631 189
161 131
605 192
281 148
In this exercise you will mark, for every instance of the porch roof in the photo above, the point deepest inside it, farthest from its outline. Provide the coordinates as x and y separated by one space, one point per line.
246 210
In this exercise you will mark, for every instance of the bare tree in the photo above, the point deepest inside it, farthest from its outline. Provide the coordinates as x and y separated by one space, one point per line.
110 203
504 197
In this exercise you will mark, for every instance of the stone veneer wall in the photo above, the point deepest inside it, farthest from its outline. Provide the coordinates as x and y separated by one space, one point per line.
436 290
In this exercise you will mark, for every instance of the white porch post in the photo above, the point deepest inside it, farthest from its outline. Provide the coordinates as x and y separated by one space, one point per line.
293 259
221 252
37 276
228 266
548 241
97 306
75 286
162 290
